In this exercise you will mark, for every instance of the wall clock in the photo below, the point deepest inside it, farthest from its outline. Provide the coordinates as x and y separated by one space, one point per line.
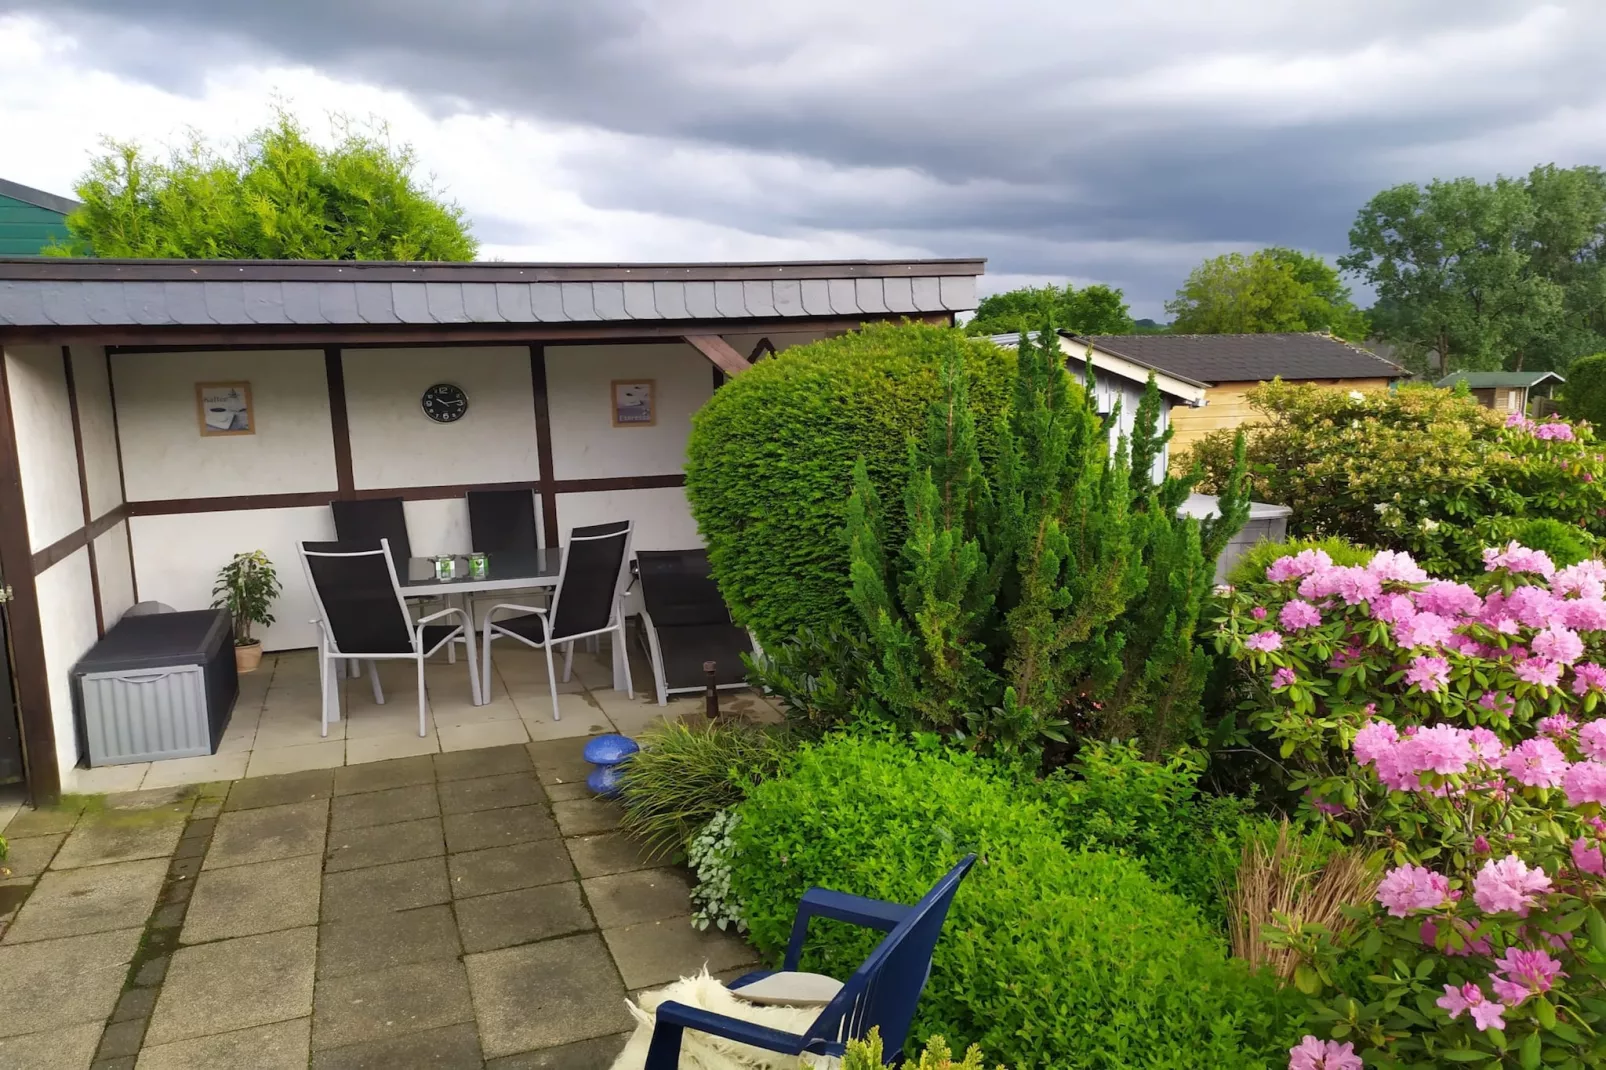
444 403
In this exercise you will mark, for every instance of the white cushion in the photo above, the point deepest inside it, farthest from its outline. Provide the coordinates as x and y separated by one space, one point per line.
791 990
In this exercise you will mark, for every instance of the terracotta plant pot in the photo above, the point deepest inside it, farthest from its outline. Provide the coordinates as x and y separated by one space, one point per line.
248 656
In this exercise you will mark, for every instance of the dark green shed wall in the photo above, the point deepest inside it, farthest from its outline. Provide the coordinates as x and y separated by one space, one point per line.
25 229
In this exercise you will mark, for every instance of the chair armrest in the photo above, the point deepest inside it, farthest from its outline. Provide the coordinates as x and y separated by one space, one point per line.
672 1019
840 906
522 609
421 621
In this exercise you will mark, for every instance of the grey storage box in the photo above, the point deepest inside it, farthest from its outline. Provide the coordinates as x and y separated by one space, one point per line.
159 685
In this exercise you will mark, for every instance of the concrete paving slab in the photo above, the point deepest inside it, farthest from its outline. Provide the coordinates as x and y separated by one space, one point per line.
504 869
596 1054
279 1046
658 952
267 833
56 983
489 793
498 828
236 984
365 1007
72 1048
385 807
281 790
381 844
76 902
582 817
507 918
483 762
547 994
383 941
561 761
380 776
29 857
261 897
640 895
447 1048
398 886
45 822
118 836
609 852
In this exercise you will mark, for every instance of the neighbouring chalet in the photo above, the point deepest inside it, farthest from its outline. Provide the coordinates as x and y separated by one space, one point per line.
1505 391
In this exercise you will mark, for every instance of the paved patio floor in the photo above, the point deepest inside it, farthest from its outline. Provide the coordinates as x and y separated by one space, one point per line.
461 909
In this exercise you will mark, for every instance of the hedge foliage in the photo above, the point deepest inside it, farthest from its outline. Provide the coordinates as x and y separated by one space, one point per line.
770 461
1049 958
1584 395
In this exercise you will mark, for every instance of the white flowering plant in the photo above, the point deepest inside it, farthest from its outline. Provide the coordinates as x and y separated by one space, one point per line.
709 856
1457 729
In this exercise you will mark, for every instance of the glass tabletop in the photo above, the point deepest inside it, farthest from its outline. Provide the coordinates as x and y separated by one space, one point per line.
507 569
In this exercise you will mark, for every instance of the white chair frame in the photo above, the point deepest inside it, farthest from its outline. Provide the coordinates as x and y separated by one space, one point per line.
329 652
616 624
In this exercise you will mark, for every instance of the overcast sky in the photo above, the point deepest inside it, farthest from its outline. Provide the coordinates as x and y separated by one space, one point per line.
1088 140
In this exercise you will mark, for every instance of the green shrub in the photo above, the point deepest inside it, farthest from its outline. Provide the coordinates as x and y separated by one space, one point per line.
685 774
1250 569
769 464
1565 543
1112 799
867 1054
1049 958
1584 395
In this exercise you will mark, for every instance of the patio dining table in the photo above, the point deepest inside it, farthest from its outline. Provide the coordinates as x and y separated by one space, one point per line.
505 571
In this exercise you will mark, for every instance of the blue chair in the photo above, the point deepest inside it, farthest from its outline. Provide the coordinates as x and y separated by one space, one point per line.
883 992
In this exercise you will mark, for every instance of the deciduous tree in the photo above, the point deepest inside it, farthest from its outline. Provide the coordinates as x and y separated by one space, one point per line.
1267 291
1095 309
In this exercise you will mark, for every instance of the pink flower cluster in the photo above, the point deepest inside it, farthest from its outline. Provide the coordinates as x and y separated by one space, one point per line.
1407 888
1402 759
1517 558
1486 1013
1313 1054
1509 884
1552 431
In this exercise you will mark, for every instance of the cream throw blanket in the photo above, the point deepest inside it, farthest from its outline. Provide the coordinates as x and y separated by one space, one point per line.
700 1051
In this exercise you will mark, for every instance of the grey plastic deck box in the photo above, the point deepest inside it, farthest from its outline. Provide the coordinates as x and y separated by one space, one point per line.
158 685
1266 523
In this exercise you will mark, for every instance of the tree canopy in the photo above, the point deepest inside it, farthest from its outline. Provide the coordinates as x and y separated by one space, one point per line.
1271 290
1095 309
277 195
1480 276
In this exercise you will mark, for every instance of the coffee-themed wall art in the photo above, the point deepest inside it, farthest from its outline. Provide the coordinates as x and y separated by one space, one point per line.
633 403
224 409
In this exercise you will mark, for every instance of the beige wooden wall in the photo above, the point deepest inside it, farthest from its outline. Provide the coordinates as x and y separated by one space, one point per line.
1226 407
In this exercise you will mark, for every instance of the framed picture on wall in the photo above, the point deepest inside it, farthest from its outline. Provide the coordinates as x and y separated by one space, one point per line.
224 409
633 403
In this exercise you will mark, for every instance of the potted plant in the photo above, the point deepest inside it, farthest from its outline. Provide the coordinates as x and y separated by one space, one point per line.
246 587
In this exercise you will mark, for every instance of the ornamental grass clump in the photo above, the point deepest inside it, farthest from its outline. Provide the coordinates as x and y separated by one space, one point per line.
1455 730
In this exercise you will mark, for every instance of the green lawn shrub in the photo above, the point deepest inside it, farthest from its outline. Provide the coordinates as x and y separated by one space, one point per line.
1584 395
769 465
1050 958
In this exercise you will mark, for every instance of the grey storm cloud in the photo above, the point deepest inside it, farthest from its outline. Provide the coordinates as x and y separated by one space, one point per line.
1089 140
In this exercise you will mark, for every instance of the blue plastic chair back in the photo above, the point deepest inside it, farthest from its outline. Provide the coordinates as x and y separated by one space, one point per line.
885 990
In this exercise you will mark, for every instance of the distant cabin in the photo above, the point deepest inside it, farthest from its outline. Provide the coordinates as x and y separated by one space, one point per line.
31 219
1505 391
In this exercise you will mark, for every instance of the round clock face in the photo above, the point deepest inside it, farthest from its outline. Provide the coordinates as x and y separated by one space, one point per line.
445 403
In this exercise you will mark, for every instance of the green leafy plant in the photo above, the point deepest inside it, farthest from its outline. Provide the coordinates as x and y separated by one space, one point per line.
1050 958
769 464
1584 395
684 775
709 856
1095 309
246 587
867 1054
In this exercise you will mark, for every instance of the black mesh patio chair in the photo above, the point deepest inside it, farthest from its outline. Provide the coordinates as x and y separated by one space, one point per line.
369 520
685 622
587 601
363 617
500 521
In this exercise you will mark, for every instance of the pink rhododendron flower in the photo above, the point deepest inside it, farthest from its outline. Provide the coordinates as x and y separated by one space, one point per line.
1392 608
1407 888
1373 739
1265 642
1525 973
1313 1054
1554 432
1487 1015
1538 763
1397 566
1497 701
1592 738
1297 615
1587 579
1518 420
1470 945
1509 884
1558 644
1532 607
1518 558
1259 612
1585 782
1428 674
1301 564
1469 997
1557 726
1424 629
1541 671
1442 748
1480 845
1584 614
1587 857
1587 676
1283 677
1486 746
1449 599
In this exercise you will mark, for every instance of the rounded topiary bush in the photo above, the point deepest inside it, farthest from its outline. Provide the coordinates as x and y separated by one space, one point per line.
770 461
1584 395
1049 957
